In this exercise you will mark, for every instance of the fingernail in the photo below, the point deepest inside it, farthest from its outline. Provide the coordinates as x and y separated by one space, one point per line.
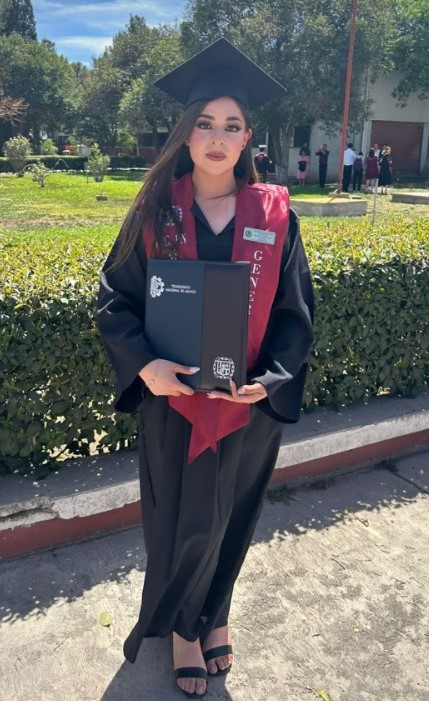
210 396
194 369
241 391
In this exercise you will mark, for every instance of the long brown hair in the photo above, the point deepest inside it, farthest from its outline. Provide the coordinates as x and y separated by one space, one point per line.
153 203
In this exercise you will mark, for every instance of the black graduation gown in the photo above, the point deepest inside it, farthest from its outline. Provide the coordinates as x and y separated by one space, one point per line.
198 519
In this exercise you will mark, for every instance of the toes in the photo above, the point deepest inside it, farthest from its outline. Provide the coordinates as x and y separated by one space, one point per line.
212 666
192 686
200 687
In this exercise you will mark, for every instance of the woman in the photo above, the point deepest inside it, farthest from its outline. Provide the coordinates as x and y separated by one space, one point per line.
385 176
201 498
301 173
371 175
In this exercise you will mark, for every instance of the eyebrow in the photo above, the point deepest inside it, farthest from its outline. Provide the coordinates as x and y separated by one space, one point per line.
228 119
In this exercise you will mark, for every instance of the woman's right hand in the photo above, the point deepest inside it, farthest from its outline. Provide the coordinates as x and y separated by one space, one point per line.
160 377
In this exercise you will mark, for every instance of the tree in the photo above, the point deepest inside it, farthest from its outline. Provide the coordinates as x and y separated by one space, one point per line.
12 110
102 88
145 107
35 73
17 16
100 93
304 45
411 49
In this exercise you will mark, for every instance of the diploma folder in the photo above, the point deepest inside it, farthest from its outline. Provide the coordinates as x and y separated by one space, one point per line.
196 315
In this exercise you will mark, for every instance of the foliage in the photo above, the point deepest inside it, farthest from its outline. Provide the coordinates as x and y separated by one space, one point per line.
17 17
372 330
34 72
12 110
40 173
412 48
79 162
17 152
372 327
144 107
48 148
49 350
98 101
118 93
98 163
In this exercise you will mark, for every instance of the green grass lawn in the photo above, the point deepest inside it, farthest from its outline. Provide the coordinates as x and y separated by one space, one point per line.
67 205
66 201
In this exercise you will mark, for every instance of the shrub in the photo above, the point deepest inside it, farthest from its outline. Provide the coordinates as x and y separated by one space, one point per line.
48 148
78 162
17 152
98 164
372 333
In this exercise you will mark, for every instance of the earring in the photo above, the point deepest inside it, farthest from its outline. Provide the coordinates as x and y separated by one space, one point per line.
244 146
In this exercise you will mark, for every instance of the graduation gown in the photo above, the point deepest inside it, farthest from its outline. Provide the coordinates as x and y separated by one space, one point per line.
198 519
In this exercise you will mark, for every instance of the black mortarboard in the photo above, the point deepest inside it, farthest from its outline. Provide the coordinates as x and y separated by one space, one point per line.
218 70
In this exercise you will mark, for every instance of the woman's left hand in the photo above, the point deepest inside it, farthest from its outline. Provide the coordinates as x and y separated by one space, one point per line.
247 394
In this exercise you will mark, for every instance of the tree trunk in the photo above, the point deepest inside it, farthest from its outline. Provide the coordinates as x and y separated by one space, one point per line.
36 135
281 144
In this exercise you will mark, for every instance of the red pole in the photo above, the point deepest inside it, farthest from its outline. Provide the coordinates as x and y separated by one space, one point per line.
347 97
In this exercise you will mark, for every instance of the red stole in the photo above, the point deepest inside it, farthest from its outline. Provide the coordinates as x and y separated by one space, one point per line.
263 207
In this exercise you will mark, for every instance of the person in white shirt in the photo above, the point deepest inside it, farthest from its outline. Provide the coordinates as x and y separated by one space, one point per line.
349 159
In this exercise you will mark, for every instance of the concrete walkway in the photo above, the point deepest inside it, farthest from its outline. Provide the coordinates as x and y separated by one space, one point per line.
334 597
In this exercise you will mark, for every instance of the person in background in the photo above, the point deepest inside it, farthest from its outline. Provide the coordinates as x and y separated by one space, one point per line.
385 174
301 174
371 170
357 172
262 163
206 459
376 151
323 154
349 159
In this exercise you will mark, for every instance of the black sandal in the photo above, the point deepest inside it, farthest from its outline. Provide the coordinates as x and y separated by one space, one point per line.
191 673
219 651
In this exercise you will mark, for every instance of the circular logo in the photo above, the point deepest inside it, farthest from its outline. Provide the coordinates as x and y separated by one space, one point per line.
223 368
156 286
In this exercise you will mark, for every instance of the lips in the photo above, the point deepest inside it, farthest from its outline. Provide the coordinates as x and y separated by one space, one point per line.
216 156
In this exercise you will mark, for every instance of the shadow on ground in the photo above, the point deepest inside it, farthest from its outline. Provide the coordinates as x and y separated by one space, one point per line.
112 558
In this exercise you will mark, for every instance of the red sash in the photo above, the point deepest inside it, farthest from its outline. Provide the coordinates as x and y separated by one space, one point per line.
261 207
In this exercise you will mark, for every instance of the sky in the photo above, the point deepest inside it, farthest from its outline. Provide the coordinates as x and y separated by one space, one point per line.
82 30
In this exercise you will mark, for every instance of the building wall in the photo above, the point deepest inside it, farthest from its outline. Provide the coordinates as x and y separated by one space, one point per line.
406 128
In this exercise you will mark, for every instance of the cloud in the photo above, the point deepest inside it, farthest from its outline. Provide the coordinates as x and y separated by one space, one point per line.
94 44
109 9
80 29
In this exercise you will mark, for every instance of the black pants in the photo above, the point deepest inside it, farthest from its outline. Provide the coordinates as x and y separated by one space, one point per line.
357 180
198 519
323 167
347 174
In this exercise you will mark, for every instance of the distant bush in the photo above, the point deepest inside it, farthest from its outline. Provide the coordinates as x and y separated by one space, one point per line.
127 162
17 152
98 164
78 162
48 148
66 163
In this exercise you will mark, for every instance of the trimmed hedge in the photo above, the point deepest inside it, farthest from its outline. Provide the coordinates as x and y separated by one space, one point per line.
77 162
372 333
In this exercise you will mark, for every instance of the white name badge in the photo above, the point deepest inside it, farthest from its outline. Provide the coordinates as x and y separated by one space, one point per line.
259 235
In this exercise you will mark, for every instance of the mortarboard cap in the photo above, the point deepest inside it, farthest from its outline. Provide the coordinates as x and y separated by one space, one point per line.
220 69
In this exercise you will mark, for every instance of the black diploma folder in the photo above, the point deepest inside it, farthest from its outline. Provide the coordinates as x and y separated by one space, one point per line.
196 315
